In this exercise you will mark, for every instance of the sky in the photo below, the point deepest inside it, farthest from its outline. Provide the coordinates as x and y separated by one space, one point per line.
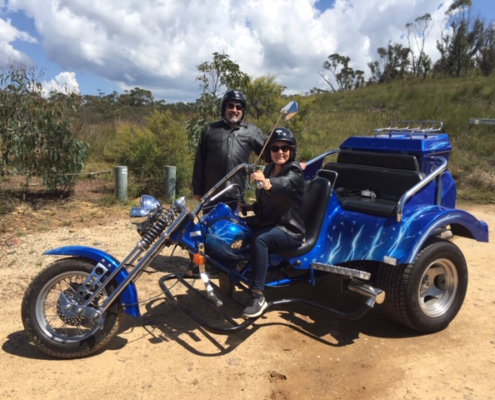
101 46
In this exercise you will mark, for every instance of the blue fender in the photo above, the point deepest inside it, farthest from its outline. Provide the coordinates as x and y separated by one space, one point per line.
128 296
460 221
352 236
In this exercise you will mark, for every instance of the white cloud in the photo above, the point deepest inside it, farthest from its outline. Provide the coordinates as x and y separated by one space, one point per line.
63 82
9 34
157 44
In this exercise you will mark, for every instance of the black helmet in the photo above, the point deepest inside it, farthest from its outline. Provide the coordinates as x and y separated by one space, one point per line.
282 135
233 95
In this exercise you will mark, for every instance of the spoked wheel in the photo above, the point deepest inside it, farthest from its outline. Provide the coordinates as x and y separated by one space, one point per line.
51 330
427 294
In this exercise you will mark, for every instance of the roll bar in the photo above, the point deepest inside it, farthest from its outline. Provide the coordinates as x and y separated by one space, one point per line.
321 156
420 185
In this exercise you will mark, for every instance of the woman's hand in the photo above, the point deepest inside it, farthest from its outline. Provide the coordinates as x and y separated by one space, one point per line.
257 176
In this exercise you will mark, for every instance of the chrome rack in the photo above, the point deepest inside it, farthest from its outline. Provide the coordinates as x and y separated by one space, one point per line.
411 127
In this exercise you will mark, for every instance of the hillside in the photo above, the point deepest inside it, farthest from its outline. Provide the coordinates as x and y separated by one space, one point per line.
331 117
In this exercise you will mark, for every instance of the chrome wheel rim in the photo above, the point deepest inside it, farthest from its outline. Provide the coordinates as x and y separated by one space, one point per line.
438 287
48 314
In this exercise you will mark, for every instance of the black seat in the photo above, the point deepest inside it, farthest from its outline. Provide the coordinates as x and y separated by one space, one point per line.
315 201
387 184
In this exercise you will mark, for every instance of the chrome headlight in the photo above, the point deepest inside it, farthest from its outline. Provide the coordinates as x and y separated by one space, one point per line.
148 205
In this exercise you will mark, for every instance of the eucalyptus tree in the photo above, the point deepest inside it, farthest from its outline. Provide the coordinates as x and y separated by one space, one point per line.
461 42
215 77
343 77
37 133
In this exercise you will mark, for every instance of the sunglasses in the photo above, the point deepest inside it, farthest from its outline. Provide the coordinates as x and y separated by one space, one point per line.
276 149
231 106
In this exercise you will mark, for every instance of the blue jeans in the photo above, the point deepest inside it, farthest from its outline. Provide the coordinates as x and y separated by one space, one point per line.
264 242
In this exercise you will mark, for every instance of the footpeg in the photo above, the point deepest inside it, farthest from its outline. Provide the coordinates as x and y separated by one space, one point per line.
209 289
199 260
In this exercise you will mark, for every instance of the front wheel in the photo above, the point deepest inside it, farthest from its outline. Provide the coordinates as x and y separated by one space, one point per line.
427 294
45 322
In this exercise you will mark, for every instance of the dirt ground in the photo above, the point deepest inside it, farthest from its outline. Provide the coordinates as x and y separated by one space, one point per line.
295 353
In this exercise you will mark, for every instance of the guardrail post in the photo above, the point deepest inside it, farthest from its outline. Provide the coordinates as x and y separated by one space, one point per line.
170 180
121 183
480 121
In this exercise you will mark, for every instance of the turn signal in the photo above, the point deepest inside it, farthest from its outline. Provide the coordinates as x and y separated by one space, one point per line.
199 259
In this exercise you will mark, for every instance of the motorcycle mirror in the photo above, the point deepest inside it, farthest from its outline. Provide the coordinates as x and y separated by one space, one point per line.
286 113
289 110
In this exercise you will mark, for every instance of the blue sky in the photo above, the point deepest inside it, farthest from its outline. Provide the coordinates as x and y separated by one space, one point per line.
116 45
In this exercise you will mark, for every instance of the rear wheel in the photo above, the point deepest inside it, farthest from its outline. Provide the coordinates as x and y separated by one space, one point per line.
427 294
45 322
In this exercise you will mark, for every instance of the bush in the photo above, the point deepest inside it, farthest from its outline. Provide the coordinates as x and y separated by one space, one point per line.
147 150
37 134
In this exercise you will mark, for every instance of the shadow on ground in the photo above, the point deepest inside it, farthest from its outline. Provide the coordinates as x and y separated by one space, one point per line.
163 322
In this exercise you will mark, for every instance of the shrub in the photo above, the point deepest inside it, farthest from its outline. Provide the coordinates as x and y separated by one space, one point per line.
147 150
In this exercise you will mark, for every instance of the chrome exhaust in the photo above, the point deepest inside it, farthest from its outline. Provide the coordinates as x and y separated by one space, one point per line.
374 295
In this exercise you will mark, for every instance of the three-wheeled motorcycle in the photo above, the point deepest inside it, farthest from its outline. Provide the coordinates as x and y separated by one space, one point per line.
379 212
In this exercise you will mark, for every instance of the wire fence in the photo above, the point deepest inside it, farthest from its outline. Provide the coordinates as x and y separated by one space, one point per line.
88 174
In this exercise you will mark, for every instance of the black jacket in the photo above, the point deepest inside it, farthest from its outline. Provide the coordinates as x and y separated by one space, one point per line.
222 148
282 205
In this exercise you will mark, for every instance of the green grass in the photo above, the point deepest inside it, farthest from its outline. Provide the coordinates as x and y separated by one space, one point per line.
336 116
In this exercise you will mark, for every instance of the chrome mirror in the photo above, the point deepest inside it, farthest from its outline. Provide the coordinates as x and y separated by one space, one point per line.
180 204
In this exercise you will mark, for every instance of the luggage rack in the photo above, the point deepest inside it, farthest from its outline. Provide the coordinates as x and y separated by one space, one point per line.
411 127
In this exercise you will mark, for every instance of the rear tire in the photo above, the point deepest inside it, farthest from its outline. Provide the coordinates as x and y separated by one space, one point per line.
54 333
427 294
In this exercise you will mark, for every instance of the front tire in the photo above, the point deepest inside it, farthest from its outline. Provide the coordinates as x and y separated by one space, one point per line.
427 294
45 323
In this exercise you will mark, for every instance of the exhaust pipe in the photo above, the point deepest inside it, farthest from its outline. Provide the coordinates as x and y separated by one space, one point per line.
374 295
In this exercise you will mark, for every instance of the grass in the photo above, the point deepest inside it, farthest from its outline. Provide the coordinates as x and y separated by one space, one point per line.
336 116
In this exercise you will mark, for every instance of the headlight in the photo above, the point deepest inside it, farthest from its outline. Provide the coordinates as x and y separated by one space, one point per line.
148 205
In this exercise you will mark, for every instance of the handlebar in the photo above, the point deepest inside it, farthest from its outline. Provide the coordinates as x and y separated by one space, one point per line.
208 196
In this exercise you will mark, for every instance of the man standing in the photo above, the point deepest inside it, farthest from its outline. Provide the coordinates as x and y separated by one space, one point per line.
225 144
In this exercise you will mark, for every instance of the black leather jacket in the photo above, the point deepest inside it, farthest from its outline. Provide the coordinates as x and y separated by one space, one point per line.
282 205
220 149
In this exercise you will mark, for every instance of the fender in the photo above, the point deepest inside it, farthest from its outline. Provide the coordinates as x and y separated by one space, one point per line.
128 296
461 222
352 236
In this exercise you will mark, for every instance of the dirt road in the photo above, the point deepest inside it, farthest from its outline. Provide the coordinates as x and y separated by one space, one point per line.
295 354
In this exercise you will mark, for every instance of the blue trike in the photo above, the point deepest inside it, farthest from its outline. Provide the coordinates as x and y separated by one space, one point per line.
379 212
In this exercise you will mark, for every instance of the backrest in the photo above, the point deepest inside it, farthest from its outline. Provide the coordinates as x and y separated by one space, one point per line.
386 183
406 162
315 201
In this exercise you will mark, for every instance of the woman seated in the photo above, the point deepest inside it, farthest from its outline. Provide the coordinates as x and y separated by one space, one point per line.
279 208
